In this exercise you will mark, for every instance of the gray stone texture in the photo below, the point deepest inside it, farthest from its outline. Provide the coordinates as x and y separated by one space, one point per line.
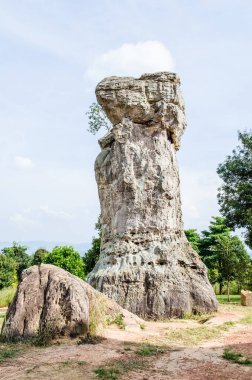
146 262
50 300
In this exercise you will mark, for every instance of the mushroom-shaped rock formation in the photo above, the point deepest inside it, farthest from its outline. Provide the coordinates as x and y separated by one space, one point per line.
146 263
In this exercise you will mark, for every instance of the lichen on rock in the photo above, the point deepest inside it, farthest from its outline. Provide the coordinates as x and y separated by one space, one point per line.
146 262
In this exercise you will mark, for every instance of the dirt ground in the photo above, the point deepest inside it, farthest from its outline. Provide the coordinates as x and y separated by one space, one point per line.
178 350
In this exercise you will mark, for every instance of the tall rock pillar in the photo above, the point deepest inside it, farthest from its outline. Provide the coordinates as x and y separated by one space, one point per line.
146 262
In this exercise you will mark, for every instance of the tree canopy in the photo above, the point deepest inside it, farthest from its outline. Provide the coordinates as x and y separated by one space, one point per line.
92 255
235 193
19 255
39 256
67 258
8 273
194 238
224 255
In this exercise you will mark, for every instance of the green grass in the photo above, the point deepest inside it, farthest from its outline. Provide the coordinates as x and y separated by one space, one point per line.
7 353
246 320
234 299
117 369
107 373
6 296
117 320
149 350
236 357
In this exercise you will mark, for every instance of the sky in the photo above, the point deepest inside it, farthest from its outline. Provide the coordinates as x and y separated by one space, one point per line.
52 55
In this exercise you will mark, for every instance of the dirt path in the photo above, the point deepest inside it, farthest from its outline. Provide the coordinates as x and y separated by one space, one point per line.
178 350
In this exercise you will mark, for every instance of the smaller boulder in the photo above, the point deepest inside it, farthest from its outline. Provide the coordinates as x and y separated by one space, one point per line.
51 301
246 298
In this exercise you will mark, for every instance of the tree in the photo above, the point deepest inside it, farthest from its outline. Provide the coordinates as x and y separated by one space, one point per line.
208 251
67 258
97 119
19 255
232 256
39 256
235 194
224 255
8 272
92 255
194 239
207 246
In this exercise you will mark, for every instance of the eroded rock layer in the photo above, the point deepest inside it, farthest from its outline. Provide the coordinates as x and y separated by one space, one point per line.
146 262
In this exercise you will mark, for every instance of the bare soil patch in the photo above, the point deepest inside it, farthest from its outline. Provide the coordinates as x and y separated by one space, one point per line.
178 350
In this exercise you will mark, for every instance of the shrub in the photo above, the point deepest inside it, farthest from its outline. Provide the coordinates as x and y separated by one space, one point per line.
19 255
8 272
39 256
66 258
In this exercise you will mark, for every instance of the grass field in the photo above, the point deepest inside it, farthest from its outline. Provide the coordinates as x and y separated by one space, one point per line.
6 296
234 299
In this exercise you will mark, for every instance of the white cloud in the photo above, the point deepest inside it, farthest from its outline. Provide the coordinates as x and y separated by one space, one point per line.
132 60
45 210
38 215
20 220
23 162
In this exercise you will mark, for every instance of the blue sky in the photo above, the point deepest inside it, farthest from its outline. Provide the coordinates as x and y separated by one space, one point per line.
53 53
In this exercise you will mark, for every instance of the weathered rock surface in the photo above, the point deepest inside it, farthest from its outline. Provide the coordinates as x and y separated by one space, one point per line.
146 262
246 298
49 299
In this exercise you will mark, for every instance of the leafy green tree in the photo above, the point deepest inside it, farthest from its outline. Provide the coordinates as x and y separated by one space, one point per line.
92 255
97 119
19 255
235 194
231 255
67 258
207 246
194 239
39 256
8 272
224 255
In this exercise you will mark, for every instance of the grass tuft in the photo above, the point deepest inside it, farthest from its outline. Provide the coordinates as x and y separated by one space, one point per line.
117 320
7 353
149 350
236 357
117 369
107 373
246 320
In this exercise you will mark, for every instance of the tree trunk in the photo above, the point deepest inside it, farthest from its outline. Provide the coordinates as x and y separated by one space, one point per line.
228 291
